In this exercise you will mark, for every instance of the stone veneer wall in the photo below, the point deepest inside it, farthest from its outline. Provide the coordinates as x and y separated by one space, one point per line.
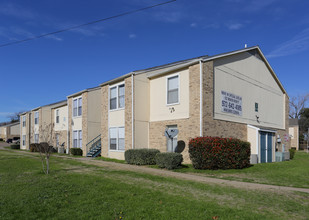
104 121
70 121
128 113
212 127
188 128
85 122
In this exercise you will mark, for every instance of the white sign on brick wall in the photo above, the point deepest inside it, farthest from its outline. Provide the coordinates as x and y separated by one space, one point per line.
231 103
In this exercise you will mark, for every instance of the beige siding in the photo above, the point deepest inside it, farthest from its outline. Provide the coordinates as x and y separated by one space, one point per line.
94 114
63 118
159 110
15 130
116 118
141 111
253 138
247 76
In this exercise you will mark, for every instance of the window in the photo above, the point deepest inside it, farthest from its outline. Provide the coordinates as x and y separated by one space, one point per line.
116 99
172 142
24 140
256 107
24 121
36 138
77 107
36 118
173 90
116 139
77 139
57 116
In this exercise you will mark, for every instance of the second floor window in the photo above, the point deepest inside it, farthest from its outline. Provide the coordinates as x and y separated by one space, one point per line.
117 95
24 121
173 90
57 116
77 107
36 118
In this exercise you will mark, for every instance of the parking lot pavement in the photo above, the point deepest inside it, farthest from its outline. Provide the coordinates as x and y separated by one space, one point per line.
4 144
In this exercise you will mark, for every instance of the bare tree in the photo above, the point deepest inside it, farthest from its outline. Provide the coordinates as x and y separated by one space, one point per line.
297 104
45 147
14 117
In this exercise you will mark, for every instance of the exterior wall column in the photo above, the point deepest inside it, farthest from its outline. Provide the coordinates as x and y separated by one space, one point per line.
104 120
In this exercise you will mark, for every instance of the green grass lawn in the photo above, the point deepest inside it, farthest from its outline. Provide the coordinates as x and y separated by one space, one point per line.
288 173
74 190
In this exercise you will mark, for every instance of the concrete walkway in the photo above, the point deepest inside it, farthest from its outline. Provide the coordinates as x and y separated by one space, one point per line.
183 176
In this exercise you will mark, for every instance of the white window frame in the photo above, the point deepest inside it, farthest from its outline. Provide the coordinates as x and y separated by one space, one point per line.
24 121
77 107
36 117
117 139
167 78
36 138
117 96
79 138
24 140
57 116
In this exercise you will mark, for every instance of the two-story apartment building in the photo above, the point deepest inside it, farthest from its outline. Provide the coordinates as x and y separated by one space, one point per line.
59 115
36 125
84 119
10 130
236 94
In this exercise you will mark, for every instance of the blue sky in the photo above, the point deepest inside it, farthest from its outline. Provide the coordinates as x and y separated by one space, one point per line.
46 70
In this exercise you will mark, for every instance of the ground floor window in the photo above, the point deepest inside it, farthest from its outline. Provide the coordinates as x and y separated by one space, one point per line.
172 142
77 139
36 138
116 138
24 140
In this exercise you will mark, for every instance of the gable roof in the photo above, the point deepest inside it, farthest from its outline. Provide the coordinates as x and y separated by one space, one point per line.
163 69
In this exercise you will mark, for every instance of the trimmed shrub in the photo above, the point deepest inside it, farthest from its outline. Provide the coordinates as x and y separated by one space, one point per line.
141 156
76 151
15 146
1 139
219 153
34 147
169 160
292 153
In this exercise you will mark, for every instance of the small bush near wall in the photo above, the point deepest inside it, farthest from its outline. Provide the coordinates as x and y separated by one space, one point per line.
292 153
169 160
1 139
76 151
34 148
141 156
219 153
15 146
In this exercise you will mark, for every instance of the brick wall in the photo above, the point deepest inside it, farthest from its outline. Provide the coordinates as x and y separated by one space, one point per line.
128 113
85 122
104 121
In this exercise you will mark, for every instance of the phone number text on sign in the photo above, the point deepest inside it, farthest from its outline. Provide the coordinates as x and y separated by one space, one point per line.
231 103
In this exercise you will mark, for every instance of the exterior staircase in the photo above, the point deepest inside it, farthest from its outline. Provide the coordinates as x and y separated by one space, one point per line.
94 147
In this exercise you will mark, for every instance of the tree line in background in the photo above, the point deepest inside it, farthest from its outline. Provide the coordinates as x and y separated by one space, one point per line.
299 110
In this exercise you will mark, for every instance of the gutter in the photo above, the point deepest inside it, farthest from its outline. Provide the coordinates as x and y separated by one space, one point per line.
201 98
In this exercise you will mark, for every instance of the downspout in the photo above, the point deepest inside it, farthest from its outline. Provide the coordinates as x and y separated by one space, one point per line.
201 98
132 92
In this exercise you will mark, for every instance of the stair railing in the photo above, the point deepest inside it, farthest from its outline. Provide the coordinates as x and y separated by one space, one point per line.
91 144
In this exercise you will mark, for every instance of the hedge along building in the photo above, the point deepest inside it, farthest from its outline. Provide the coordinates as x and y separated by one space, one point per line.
10 130
84 118
36 125
59 116
236 94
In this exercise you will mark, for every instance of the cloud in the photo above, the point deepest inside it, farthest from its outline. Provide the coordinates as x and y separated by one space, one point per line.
131 36
54 37
169 16
297 44
17 11
193 25
5 114
234 26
